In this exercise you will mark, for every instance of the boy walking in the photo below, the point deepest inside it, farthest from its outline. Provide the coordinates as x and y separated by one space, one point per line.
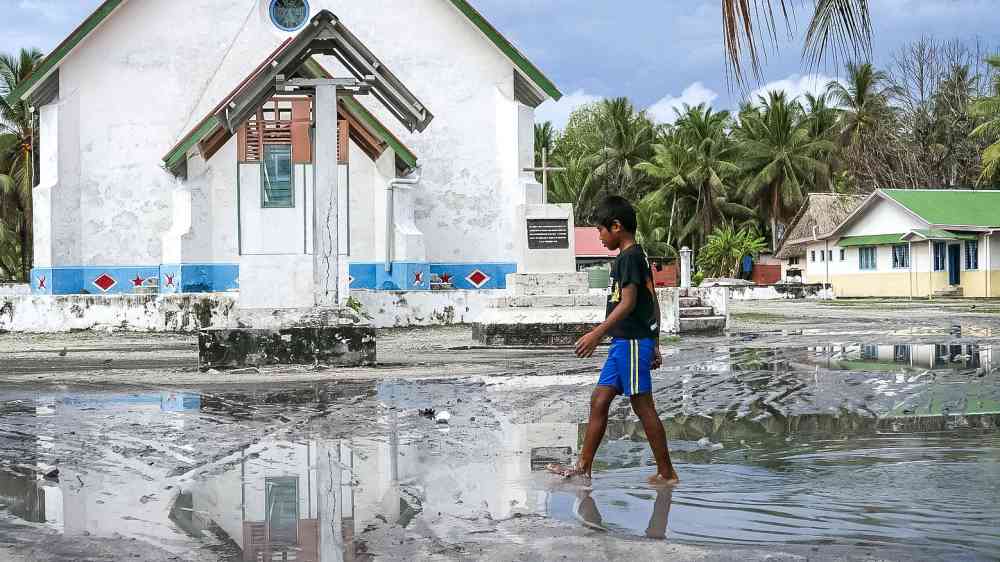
633 322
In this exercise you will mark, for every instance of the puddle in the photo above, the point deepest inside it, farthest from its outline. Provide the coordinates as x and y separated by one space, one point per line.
851 445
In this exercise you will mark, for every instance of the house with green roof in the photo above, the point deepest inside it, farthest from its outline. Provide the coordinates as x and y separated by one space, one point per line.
912 243
179 147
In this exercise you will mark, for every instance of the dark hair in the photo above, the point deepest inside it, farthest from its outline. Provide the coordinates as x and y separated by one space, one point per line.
616 208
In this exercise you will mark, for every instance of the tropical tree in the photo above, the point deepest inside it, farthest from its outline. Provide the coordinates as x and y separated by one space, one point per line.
624 140
545 137
711 169
651 226
988 109
780 156
725 249
864 99
18 173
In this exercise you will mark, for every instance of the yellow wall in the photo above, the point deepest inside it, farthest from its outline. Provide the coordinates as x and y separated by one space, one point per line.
897 283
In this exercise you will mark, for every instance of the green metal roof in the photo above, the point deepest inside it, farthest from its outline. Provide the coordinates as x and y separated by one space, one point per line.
508 49
870 240
938 234
953 207
104 10
50 62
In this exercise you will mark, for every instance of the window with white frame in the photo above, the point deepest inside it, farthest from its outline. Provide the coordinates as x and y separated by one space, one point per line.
822 254
940 251
793 261
900 256
867 257
843 254
812 255
829 255
971 254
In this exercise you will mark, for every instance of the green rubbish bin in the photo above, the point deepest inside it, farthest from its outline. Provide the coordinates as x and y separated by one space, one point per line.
599 278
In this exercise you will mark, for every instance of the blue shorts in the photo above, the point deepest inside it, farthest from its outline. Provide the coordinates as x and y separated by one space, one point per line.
628 365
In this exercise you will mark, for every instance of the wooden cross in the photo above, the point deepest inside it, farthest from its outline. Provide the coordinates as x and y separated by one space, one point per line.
545 169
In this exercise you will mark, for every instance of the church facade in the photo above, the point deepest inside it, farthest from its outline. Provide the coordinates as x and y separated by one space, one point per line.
145 188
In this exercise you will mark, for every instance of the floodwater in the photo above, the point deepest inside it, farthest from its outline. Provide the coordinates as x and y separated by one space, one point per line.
840 444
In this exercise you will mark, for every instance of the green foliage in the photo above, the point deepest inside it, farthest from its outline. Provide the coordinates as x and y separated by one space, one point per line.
697 278
17 167
726 247
988 109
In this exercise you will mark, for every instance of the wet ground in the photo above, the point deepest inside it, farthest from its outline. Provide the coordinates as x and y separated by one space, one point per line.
811 431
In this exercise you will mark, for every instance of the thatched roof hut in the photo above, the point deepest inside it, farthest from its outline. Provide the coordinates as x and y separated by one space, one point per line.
821 214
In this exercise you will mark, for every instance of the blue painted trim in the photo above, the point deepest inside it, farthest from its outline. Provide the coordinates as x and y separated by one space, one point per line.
417 276
124 280
222 277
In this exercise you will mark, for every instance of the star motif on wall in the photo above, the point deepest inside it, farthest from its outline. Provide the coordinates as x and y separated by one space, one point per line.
137 282
446 278
418 278
41 282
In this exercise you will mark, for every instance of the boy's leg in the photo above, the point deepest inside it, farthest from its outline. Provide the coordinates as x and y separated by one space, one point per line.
600 404
642 405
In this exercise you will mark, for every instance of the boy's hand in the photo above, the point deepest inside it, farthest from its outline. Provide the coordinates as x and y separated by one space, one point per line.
586 345
657 357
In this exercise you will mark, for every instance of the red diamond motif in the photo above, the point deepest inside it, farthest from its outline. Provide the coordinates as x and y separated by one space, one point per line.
105 282
477 278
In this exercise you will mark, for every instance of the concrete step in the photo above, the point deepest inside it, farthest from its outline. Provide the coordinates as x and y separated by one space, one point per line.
686 302
548 284
696 311
703 325
949 292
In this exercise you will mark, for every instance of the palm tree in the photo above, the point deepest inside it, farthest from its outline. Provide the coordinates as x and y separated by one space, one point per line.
19 173
624 139
651 229
712 166
545 137
988 108
780 156
841 25
671 163
864 101
821 119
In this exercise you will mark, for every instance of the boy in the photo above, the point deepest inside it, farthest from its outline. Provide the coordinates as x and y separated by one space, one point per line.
633 322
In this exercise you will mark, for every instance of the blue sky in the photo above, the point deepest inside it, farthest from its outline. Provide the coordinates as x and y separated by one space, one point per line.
659 53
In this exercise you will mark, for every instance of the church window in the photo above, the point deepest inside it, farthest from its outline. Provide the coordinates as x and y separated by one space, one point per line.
289 15
277 179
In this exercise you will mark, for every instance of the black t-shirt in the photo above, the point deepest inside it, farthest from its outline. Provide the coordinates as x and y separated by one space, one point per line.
632 268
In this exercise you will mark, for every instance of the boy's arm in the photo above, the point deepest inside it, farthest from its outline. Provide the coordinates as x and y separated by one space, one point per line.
586 345
657 358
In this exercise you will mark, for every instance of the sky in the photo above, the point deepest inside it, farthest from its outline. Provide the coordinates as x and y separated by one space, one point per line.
659 53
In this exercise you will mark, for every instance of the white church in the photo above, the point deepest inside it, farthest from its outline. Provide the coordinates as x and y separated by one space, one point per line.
182 143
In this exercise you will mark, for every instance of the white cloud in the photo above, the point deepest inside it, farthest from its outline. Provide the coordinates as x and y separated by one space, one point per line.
559 111
795 86
663 110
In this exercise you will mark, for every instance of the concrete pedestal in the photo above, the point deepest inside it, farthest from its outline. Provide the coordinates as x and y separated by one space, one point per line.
333 346
548 309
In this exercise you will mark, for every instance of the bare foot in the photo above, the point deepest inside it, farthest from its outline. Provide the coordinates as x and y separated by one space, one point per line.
566 471
659 480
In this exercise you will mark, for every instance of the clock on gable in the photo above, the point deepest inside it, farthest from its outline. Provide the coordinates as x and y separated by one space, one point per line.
289 15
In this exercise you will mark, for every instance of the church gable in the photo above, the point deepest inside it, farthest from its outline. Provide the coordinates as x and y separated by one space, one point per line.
533 85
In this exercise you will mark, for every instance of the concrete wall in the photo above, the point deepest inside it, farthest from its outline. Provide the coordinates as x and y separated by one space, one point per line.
189 313
884 217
